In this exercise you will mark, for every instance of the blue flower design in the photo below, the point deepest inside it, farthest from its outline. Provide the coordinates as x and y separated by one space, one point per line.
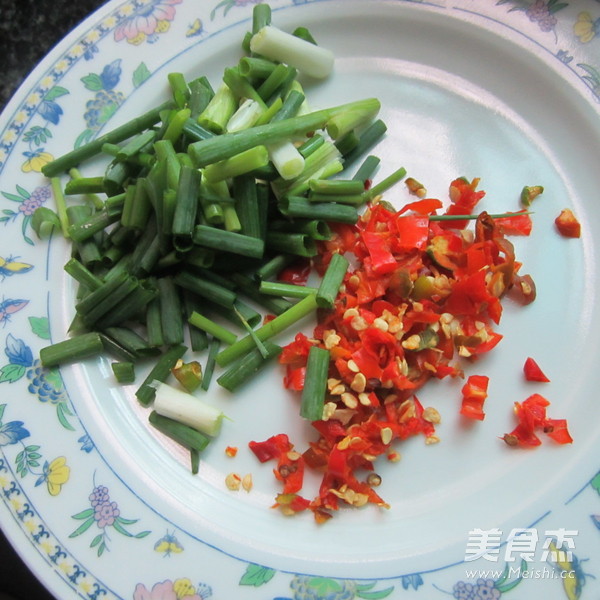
87 444
18 352
111 74
12 433
414 581
50 111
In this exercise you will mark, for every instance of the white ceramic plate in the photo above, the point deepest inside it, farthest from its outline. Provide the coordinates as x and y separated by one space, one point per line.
505 91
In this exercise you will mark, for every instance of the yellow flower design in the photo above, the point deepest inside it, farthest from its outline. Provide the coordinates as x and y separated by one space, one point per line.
109 23
94 35
36 160
162 26
126 10
76 51
32 99
183 587
585 27
138 39
57 475
20 117
46 83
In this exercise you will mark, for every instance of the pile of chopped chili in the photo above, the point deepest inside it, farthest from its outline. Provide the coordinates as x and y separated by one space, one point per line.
422 296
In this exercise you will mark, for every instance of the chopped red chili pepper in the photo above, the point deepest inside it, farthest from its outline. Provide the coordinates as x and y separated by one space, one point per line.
420 296
567 224
531 418
533 372
474 393
297 273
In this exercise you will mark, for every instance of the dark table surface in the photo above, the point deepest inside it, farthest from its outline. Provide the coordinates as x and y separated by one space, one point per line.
28 30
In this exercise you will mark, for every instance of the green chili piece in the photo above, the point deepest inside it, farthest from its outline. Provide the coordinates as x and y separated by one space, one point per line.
188 374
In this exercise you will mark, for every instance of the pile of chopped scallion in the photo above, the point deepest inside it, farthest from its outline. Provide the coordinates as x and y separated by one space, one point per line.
205 199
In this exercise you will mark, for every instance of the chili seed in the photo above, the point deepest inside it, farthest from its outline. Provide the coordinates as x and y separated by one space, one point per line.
359 383
432 439
350 313
412 343
386 435
358 324
287 470
353 366
247 482
328 410
332 383
431 415
338 390
349 400
381 324
233 482
510 439
364 399
374 480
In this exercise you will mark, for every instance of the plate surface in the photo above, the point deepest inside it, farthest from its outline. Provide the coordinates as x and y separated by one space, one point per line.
509 93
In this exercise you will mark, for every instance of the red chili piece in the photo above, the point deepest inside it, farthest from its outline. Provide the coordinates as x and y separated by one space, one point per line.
567 224
531 418
533 372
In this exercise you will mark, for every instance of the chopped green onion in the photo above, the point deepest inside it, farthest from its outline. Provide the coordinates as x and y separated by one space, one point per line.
315 384
277 45
43 222
332 280
159 372
181 433
211 361
72 350
287 290
123 132
212 328
247 366
385 184
228 241
124 372
238 164
187 409
294 314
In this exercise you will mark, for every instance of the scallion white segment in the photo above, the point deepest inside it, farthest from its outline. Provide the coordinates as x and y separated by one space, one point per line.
245 116
187 409
286 159
280 46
